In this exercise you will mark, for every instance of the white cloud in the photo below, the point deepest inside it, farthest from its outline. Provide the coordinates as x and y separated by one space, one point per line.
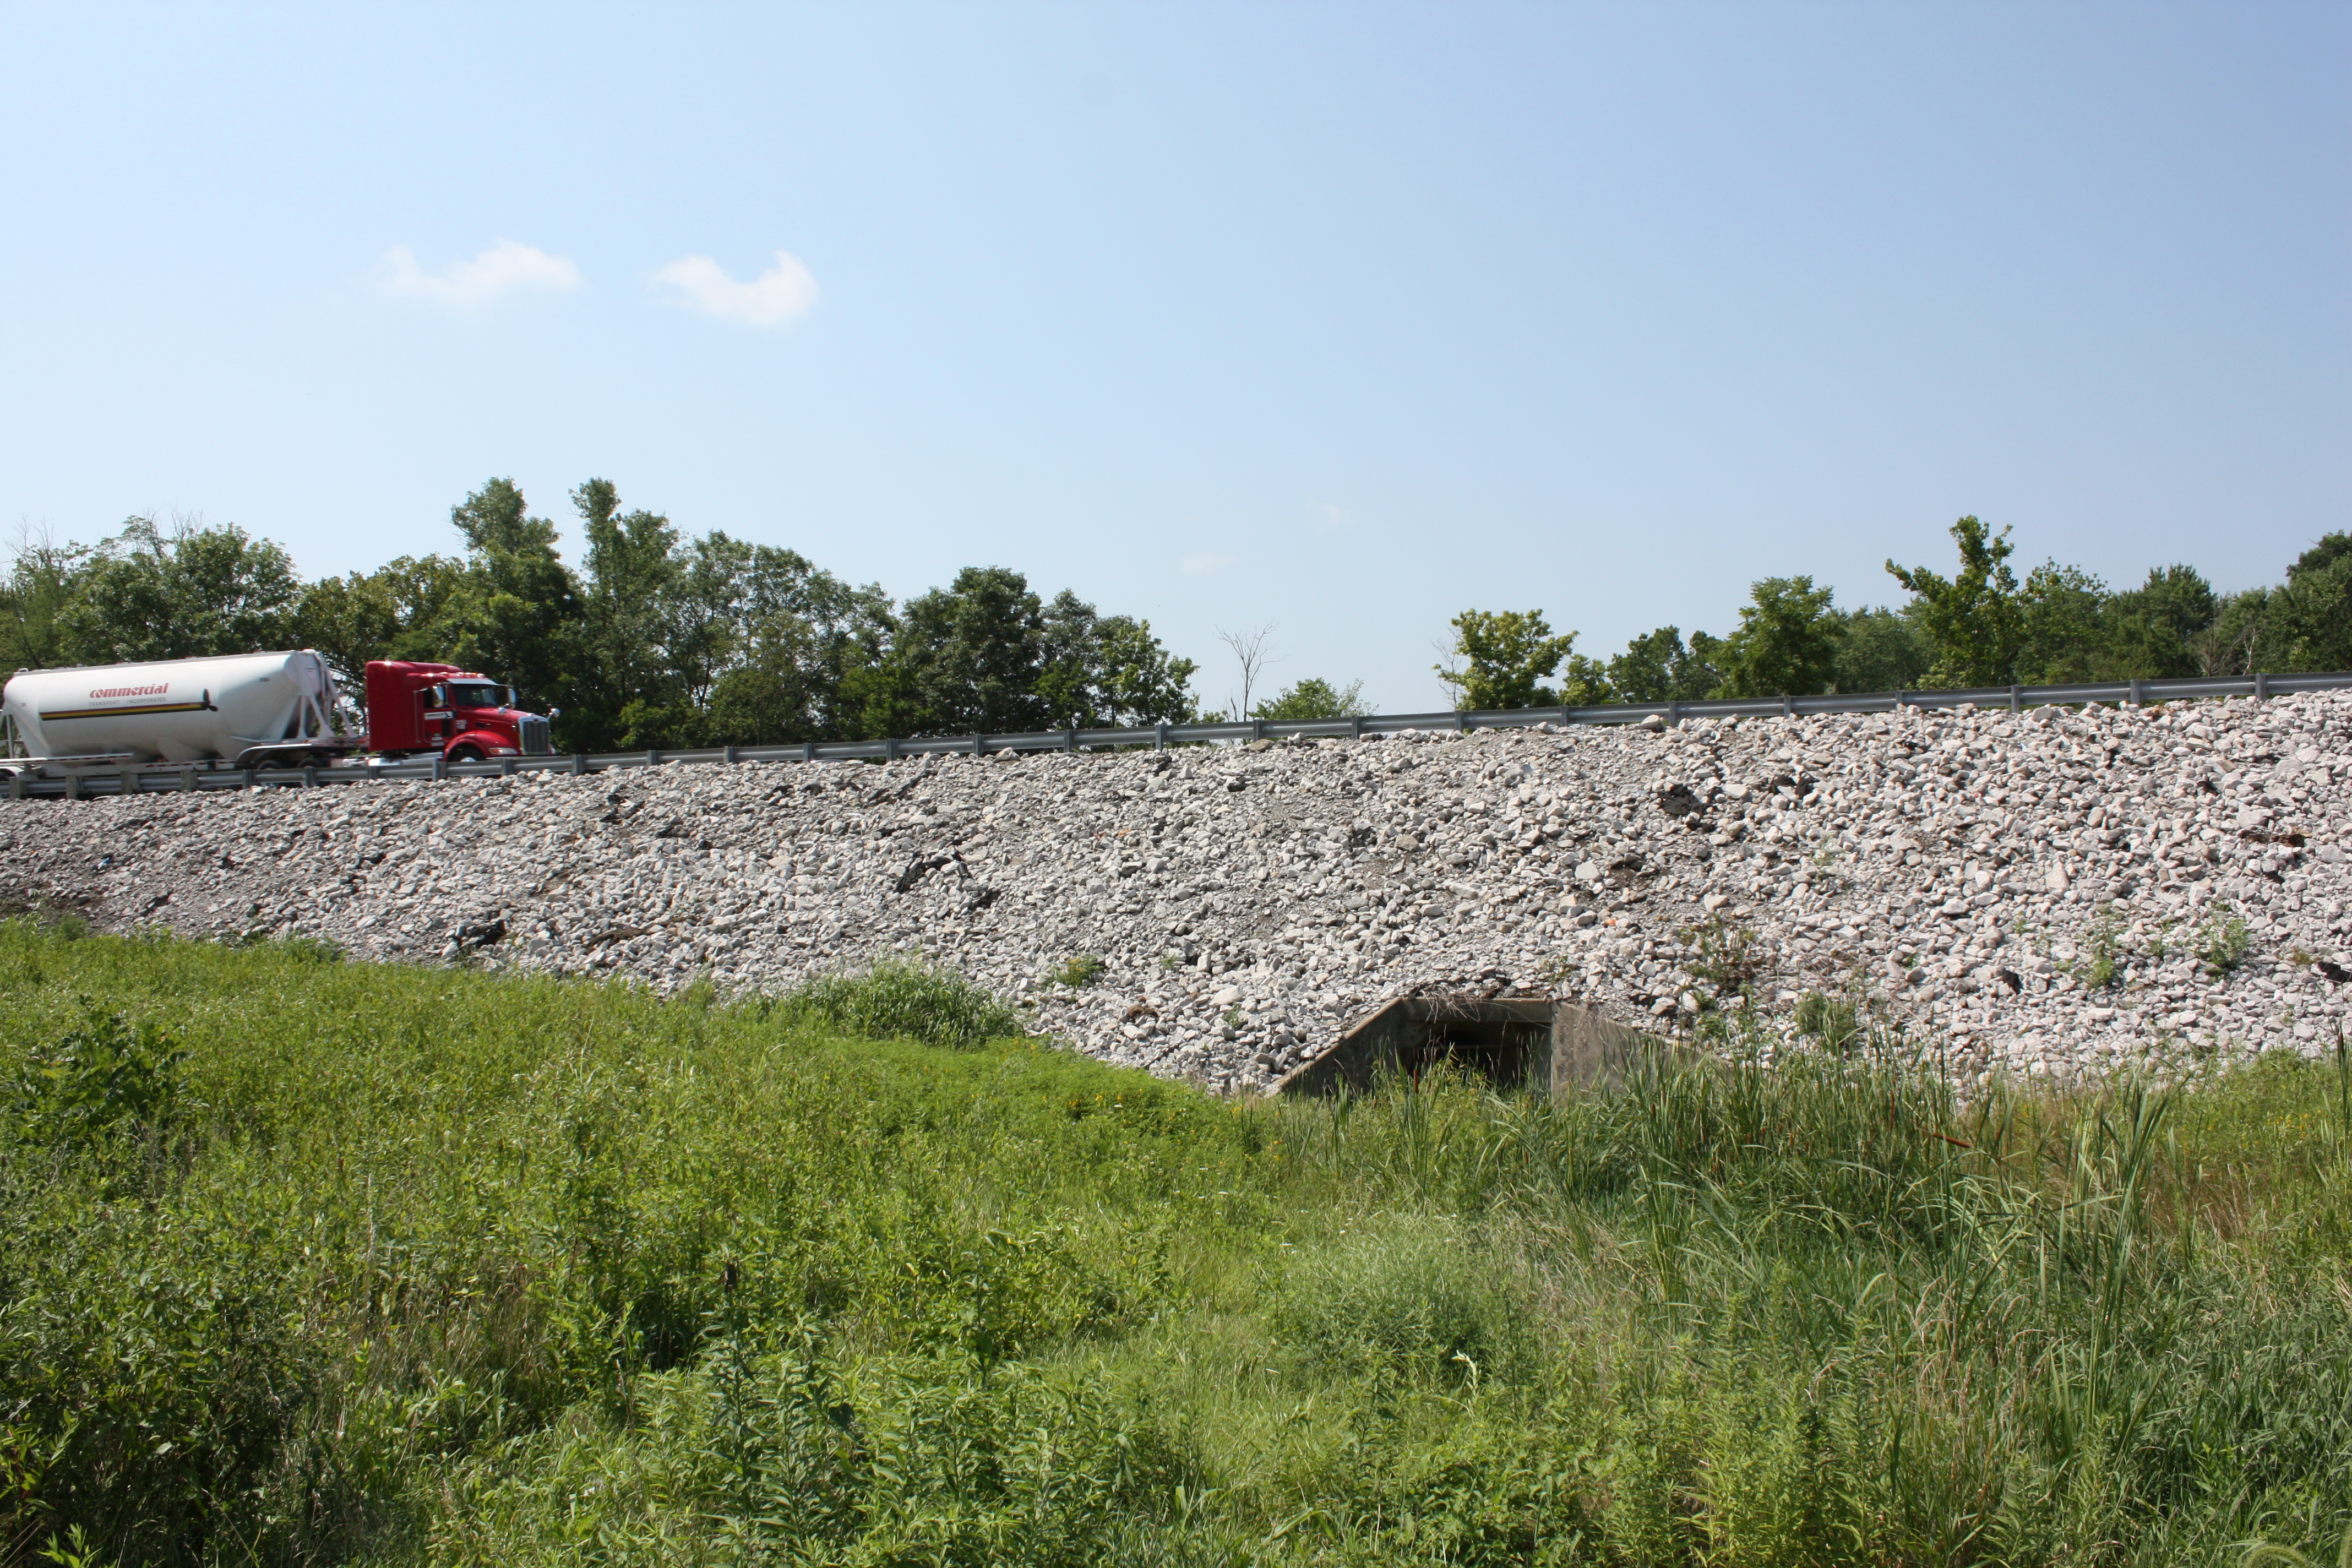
782 293
1332 518
1202 565
503 269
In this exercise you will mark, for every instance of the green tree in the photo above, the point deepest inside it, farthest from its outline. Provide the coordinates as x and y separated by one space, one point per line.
2239 640
1313 698
1974 619
1658 668
1881 650
518 615
185 593
2333 550
43 577
2309 620
1786 643
1136 680
970 655
1068 662
715 640
1506 655
2061 627
1101 671
2304 622
784 692
888 697
630 690
984 653
2151 633
811 644
389 613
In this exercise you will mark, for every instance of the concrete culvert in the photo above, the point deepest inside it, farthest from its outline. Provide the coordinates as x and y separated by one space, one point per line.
1512 1042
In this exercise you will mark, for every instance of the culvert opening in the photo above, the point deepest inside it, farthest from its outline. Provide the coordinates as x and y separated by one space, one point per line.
1496 1049
1535 1042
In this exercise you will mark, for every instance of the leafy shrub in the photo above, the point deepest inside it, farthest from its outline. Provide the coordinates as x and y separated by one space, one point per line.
797 1455
1314 698
104 1076
153 1363
903 1002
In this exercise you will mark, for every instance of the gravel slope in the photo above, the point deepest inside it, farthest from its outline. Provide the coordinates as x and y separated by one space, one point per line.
1974 874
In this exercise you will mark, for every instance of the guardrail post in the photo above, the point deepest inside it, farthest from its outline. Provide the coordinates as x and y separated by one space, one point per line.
1673 712
579 762
652 757
1461 720
2261 686
73 786
2137 702
507 766
727 753
311 775
808 751
1257 729
1069 739
440 768
979 744
2016 698
15 786
1785 709
187 779
1564 719
1899 703
1159 734
890 748
1356 725
131 780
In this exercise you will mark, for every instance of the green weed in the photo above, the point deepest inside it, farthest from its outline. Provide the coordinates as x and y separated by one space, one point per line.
2102 948
1079 971
897 1002
2222 940
1722 957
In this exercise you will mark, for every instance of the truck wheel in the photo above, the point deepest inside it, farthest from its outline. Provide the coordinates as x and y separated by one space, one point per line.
465 754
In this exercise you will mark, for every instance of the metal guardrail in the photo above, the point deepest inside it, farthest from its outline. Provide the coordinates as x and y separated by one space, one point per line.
153 779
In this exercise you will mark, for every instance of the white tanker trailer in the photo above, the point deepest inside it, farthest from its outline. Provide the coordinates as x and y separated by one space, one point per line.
267 709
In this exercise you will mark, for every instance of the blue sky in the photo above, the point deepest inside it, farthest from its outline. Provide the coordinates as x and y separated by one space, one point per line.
1340 318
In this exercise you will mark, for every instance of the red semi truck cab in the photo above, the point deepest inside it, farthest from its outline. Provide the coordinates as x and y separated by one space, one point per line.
465 716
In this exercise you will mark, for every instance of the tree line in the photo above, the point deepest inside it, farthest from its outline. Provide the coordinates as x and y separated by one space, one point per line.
662 639
1981 627
658 640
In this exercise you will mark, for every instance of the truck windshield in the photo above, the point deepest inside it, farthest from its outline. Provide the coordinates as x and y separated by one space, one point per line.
476 694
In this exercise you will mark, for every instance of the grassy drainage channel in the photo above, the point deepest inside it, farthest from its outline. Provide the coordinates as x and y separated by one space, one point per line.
303 1261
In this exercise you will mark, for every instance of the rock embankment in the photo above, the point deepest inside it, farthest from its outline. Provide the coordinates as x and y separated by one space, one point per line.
2048 892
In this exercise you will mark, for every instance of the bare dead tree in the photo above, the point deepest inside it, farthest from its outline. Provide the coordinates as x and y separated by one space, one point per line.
1255 652
1450 674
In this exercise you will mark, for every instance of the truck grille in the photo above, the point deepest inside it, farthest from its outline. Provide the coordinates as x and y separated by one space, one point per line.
536 739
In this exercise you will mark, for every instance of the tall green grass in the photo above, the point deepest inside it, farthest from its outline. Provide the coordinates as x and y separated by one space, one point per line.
329 1262
902 1001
